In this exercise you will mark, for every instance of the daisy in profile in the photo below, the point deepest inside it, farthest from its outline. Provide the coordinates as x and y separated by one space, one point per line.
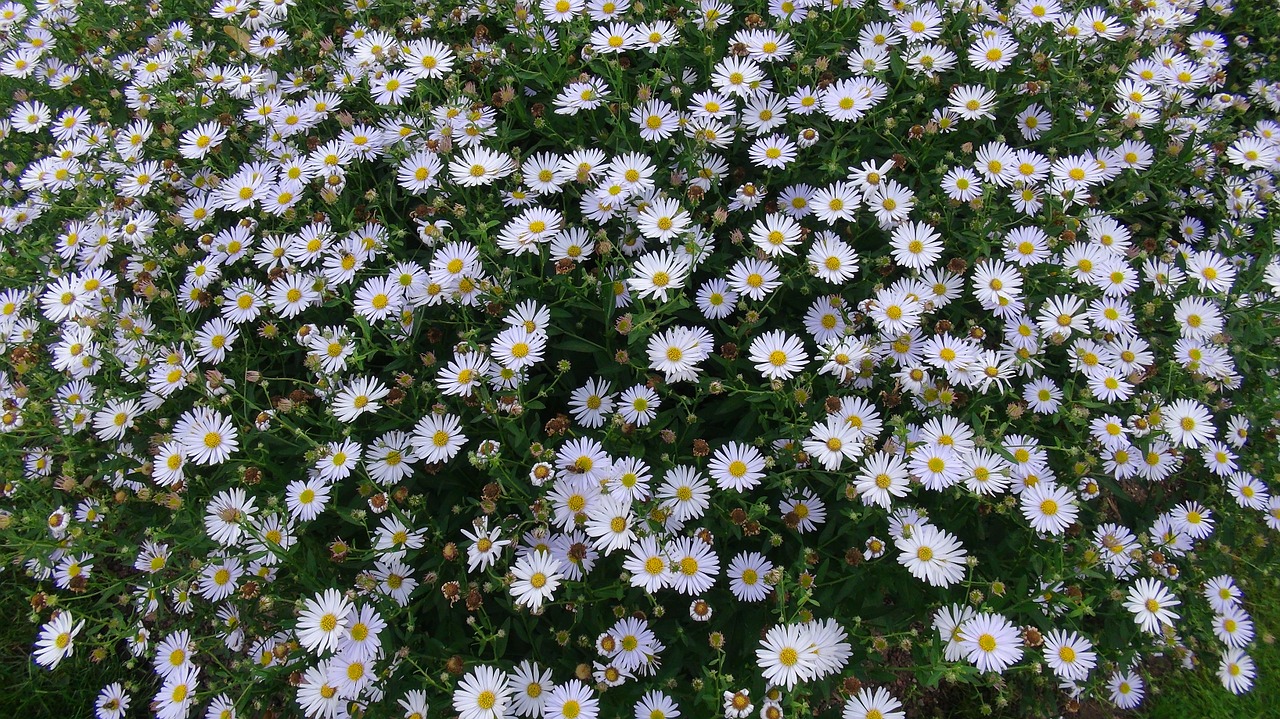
932 555
737 466
777 355
747 573
1069 655
484 693
55 642
875 703
537 575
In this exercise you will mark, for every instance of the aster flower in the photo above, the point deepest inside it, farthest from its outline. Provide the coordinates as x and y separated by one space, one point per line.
56 641
1150 602
932 555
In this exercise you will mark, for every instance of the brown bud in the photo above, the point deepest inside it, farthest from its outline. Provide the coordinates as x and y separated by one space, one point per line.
455 665
851 685
450 591
701 448
449 552
1032 637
